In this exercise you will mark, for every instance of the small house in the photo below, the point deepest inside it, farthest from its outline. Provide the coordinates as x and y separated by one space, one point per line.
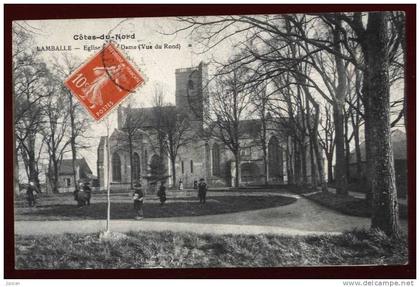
66 174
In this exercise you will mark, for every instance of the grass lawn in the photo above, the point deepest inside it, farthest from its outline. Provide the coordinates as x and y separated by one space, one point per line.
177 250
63 206
348 204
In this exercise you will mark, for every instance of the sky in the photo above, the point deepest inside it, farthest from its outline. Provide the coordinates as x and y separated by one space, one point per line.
156 65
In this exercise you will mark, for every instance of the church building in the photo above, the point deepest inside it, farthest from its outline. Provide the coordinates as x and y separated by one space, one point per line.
203 157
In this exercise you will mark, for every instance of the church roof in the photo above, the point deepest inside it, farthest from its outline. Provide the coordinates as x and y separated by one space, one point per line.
147 117
250 127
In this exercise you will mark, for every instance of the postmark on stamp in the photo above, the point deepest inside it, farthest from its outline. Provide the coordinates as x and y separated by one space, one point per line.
104 81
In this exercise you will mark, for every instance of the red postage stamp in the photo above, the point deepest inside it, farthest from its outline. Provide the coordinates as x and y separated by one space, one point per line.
104 81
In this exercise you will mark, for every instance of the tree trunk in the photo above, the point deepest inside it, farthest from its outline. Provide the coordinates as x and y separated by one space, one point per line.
311 146
290 176
303 159
55 175
385 204
338 108
347 142
313 166
356 126
237 168
313 136
173 172
317 151
73 141
404 49
130 150
266 175
297 164
340 164
330 168
32 163
369 148
358 152
16 171
319 163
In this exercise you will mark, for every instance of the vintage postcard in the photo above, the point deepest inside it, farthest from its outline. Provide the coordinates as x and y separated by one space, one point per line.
258 140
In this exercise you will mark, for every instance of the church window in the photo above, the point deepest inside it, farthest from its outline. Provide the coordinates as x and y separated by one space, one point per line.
116 167
182 167
274 158
192 166
246 151
145 159
216 159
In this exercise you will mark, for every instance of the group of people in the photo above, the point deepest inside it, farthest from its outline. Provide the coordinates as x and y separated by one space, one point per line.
138 196
31 190
83 194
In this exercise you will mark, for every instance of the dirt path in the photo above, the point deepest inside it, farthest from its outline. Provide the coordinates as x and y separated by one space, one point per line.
92 226
303 217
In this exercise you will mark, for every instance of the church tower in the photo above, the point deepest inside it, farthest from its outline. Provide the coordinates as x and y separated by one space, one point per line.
191 93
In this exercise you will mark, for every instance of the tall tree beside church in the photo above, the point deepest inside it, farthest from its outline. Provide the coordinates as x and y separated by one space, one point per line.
132 129
172 128
229 99
261 104
176 128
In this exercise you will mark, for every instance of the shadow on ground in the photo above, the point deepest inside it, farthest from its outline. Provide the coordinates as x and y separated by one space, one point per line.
176 207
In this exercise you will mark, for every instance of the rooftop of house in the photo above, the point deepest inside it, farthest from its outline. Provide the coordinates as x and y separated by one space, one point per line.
399 147
66 167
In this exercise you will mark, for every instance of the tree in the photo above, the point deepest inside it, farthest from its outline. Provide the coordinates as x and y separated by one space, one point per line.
30 86
229 100
79 123
356 117
260 103
132 128
157 170
178 134
326 136
348 39
173 130
378 49
385 204
55 133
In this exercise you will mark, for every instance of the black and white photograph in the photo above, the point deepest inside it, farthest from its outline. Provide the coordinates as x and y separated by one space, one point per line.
254 140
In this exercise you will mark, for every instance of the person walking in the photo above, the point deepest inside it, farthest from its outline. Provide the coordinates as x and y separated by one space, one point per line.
162 193
30 196
80 195
138 197
181 185
202 190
